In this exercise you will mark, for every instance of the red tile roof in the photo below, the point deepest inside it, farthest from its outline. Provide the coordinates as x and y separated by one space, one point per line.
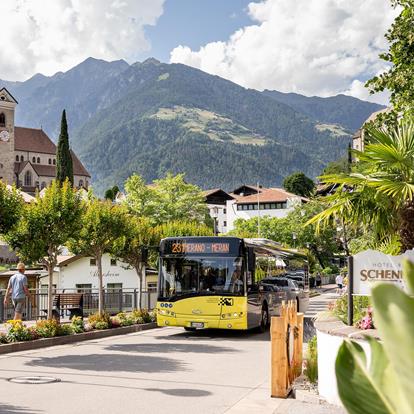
33 140
36 140
267 195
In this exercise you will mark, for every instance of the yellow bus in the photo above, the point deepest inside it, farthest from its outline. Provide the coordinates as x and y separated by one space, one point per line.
212 282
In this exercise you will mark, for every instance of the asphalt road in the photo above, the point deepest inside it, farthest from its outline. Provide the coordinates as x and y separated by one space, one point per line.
158 371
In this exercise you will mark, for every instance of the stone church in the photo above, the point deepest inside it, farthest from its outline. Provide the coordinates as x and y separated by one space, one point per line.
27 155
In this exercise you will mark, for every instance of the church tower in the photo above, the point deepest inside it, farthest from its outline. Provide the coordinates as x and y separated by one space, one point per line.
7 108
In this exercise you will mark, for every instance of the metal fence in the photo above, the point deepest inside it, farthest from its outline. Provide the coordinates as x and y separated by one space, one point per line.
115 300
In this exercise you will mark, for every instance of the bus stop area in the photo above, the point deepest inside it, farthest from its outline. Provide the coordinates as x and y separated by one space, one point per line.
156 371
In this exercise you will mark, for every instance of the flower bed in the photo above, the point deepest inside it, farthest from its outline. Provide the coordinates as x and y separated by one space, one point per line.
17 331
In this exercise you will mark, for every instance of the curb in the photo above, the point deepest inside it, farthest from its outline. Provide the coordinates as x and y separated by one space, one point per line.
70 339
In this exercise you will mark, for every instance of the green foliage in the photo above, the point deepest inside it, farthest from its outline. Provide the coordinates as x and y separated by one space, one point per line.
103 225
101 318
64 330
380 195
77 324
322 245
340 166
64 163
297 183
11 206
340 308
168 199
124 319
17 331
47 328
398 77
45 226
111 193
143 314
311 361
100 325
383 384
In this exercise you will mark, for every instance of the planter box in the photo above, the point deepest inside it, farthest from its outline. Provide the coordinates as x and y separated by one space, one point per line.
69 339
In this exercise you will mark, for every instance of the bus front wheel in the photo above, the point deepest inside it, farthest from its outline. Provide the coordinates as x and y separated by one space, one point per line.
188 329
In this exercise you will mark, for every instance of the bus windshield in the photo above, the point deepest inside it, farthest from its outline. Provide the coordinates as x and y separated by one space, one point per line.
196 276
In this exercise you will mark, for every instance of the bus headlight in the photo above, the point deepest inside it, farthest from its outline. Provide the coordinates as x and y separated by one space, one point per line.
162 311
232 315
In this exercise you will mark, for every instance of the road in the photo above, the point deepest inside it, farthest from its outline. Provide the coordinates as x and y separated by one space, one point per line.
158 371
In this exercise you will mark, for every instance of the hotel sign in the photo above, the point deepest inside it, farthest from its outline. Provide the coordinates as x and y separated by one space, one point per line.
371 267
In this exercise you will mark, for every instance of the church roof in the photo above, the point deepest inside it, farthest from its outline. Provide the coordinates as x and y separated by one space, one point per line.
33 140
36 140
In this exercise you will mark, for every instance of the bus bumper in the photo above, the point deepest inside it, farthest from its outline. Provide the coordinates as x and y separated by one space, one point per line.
214 322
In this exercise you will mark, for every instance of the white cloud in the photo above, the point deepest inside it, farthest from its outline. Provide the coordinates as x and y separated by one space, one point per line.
314 47
51 35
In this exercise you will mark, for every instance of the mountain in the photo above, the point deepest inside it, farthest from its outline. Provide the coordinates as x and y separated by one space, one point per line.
346 111
153 117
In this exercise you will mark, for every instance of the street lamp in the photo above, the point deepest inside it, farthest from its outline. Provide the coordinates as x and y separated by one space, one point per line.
294 239
214 215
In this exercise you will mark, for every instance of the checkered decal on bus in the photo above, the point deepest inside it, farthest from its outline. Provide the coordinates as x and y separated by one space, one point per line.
225 302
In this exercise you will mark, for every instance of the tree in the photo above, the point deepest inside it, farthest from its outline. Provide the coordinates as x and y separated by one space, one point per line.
291 231
64 164
298 183
11 206
110 193
46 225
398 79
380 195
103 225
168 199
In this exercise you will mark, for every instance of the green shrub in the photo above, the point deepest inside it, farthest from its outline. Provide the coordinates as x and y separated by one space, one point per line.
77 324
327 271
147 316
17 332
3 338
101 325
95 318
65 329
124 319
340 308
115 323
311 361
47 328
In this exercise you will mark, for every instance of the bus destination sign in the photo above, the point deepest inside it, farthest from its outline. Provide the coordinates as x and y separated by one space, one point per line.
200 247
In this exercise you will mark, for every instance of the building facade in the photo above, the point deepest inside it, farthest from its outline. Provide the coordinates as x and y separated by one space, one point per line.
28 155
246 202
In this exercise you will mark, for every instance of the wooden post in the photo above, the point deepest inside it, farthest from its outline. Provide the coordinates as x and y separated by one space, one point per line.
299 344
279 363
350 290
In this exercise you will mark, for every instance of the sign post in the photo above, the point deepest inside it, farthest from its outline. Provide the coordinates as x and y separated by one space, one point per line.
350 290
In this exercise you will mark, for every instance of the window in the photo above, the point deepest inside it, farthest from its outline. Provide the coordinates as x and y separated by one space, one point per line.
28 179
239 207
43 185
262 206
54 162
114 286
83 287
38 160
224 223
21 158
34 160
92 262
2 120
152 286
113 262
267 206
81 183
224 211
17 158
50 161
273 206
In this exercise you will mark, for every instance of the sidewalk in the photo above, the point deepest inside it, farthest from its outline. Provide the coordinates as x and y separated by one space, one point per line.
259 402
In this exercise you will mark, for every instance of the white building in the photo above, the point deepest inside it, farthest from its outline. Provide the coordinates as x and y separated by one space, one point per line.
248 202
216 200
81 273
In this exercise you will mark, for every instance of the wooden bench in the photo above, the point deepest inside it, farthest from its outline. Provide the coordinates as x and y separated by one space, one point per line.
72 302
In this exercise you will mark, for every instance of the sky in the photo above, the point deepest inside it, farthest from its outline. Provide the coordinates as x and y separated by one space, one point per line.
313 47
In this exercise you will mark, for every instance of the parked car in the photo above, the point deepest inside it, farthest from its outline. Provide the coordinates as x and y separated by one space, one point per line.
292 290
300 280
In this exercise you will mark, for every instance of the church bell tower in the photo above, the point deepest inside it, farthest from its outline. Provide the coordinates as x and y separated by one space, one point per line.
7 108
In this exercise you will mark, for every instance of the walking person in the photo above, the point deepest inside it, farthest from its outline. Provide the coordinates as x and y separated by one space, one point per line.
318 281
339 280
18 289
